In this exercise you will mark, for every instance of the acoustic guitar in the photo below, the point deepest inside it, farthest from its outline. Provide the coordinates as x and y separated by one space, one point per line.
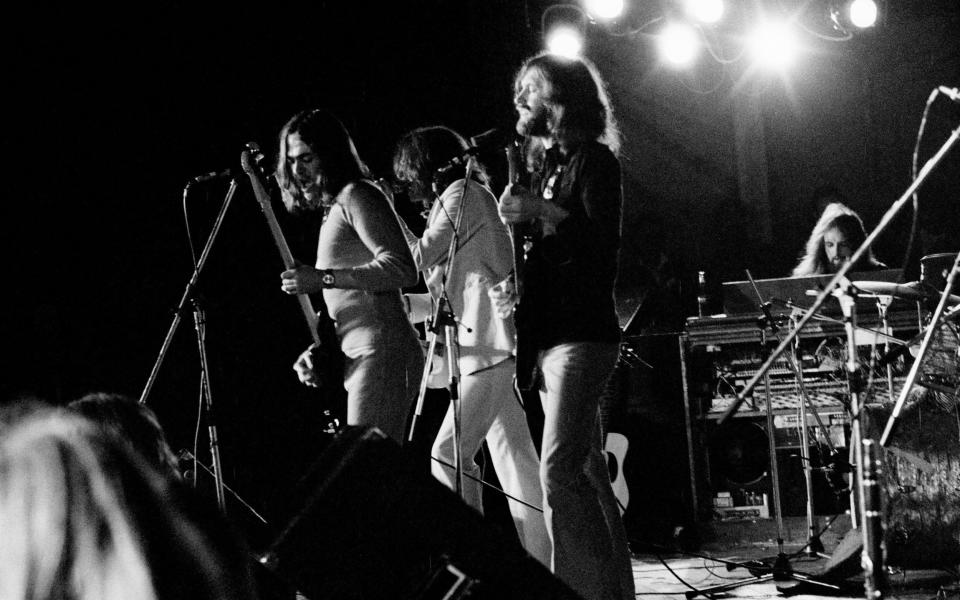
616 444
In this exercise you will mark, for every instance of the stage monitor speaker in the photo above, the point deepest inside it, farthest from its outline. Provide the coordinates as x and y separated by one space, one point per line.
372 525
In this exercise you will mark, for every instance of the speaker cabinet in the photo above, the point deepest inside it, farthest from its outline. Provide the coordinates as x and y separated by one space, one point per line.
737 481
372 525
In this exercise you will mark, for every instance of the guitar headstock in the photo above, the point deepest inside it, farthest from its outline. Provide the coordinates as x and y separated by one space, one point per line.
514 155
251 159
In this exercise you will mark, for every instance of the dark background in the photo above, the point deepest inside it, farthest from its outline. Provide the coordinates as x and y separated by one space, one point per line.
108 115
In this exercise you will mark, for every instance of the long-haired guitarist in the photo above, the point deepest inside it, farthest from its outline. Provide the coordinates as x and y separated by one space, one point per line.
566 315
362 262
488 408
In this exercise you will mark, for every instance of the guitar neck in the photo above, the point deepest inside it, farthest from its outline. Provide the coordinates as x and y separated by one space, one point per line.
263 198
516 234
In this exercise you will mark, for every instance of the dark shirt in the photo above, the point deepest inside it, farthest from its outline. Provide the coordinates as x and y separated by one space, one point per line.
569 275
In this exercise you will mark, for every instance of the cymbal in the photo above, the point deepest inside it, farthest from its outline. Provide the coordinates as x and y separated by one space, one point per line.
914 290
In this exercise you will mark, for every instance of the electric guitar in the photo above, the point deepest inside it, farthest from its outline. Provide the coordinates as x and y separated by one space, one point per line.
522 241
321 348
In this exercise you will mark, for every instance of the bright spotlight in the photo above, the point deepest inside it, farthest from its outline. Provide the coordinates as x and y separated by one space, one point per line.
564 28
773 45
863 13
679 44
705 11
565 41
606 10
849 14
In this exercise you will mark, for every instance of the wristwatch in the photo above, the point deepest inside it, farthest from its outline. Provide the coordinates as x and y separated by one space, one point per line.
327 278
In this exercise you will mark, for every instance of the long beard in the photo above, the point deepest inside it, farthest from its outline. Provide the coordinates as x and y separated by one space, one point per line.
534 124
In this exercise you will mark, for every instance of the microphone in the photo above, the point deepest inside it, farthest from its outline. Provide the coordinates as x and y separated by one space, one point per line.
212 175
491 138
952 93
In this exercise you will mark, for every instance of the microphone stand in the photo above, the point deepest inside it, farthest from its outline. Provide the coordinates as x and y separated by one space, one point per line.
865 456
924 346
200 324
443 317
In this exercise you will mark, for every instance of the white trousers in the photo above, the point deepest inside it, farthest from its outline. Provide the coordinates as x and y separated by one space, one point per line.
490 411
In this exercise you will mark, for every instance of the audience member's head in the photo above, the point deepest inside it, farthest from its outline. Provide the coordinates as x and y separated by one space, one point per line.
131 422
19 407
83 517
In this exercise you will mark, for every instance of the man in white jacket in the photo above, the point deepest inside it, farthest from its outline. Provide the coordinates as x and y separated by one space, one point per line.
489 408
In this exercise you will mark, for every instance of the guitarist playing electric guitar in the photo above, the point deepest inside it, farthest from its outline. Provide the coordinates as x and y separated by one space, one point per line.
566 317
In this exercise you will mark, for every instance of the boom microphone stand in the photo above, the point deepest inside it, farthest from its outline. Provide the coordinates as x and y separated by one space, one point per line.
200 324
443 317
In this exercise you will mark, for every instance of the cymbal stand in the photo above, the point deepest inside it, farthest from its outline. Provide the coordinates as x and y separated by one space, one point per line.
918 360
443 317
883 303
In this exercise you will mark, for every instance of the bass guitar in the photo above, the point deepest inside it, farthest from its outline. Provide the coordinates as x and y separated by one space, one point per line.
248 160
320 350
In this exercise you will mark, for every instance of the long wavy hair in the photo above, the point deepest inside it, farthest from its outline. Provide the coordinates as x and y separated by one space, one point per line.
334 148
577 103
422 154
84 518
842 218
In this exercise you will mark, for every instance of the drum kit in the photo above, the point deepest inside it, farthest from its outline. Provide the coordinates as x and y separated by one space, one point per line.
939 368
918 477
905 488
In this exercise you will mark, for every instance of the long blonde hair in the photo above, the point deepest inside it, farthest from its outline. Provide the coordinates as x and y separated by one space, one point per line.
66 530
84 517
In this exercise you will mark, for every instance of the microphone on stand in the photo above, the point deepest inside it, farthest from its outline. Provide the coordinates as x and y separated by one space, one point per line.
491 138
949 92
212 175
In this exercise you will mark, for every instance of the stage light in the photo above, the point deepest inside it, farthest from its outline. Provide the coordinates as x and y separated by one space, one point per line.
605 10
565 41
863 13
679 44
772 45
564 29
705 11
850 14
